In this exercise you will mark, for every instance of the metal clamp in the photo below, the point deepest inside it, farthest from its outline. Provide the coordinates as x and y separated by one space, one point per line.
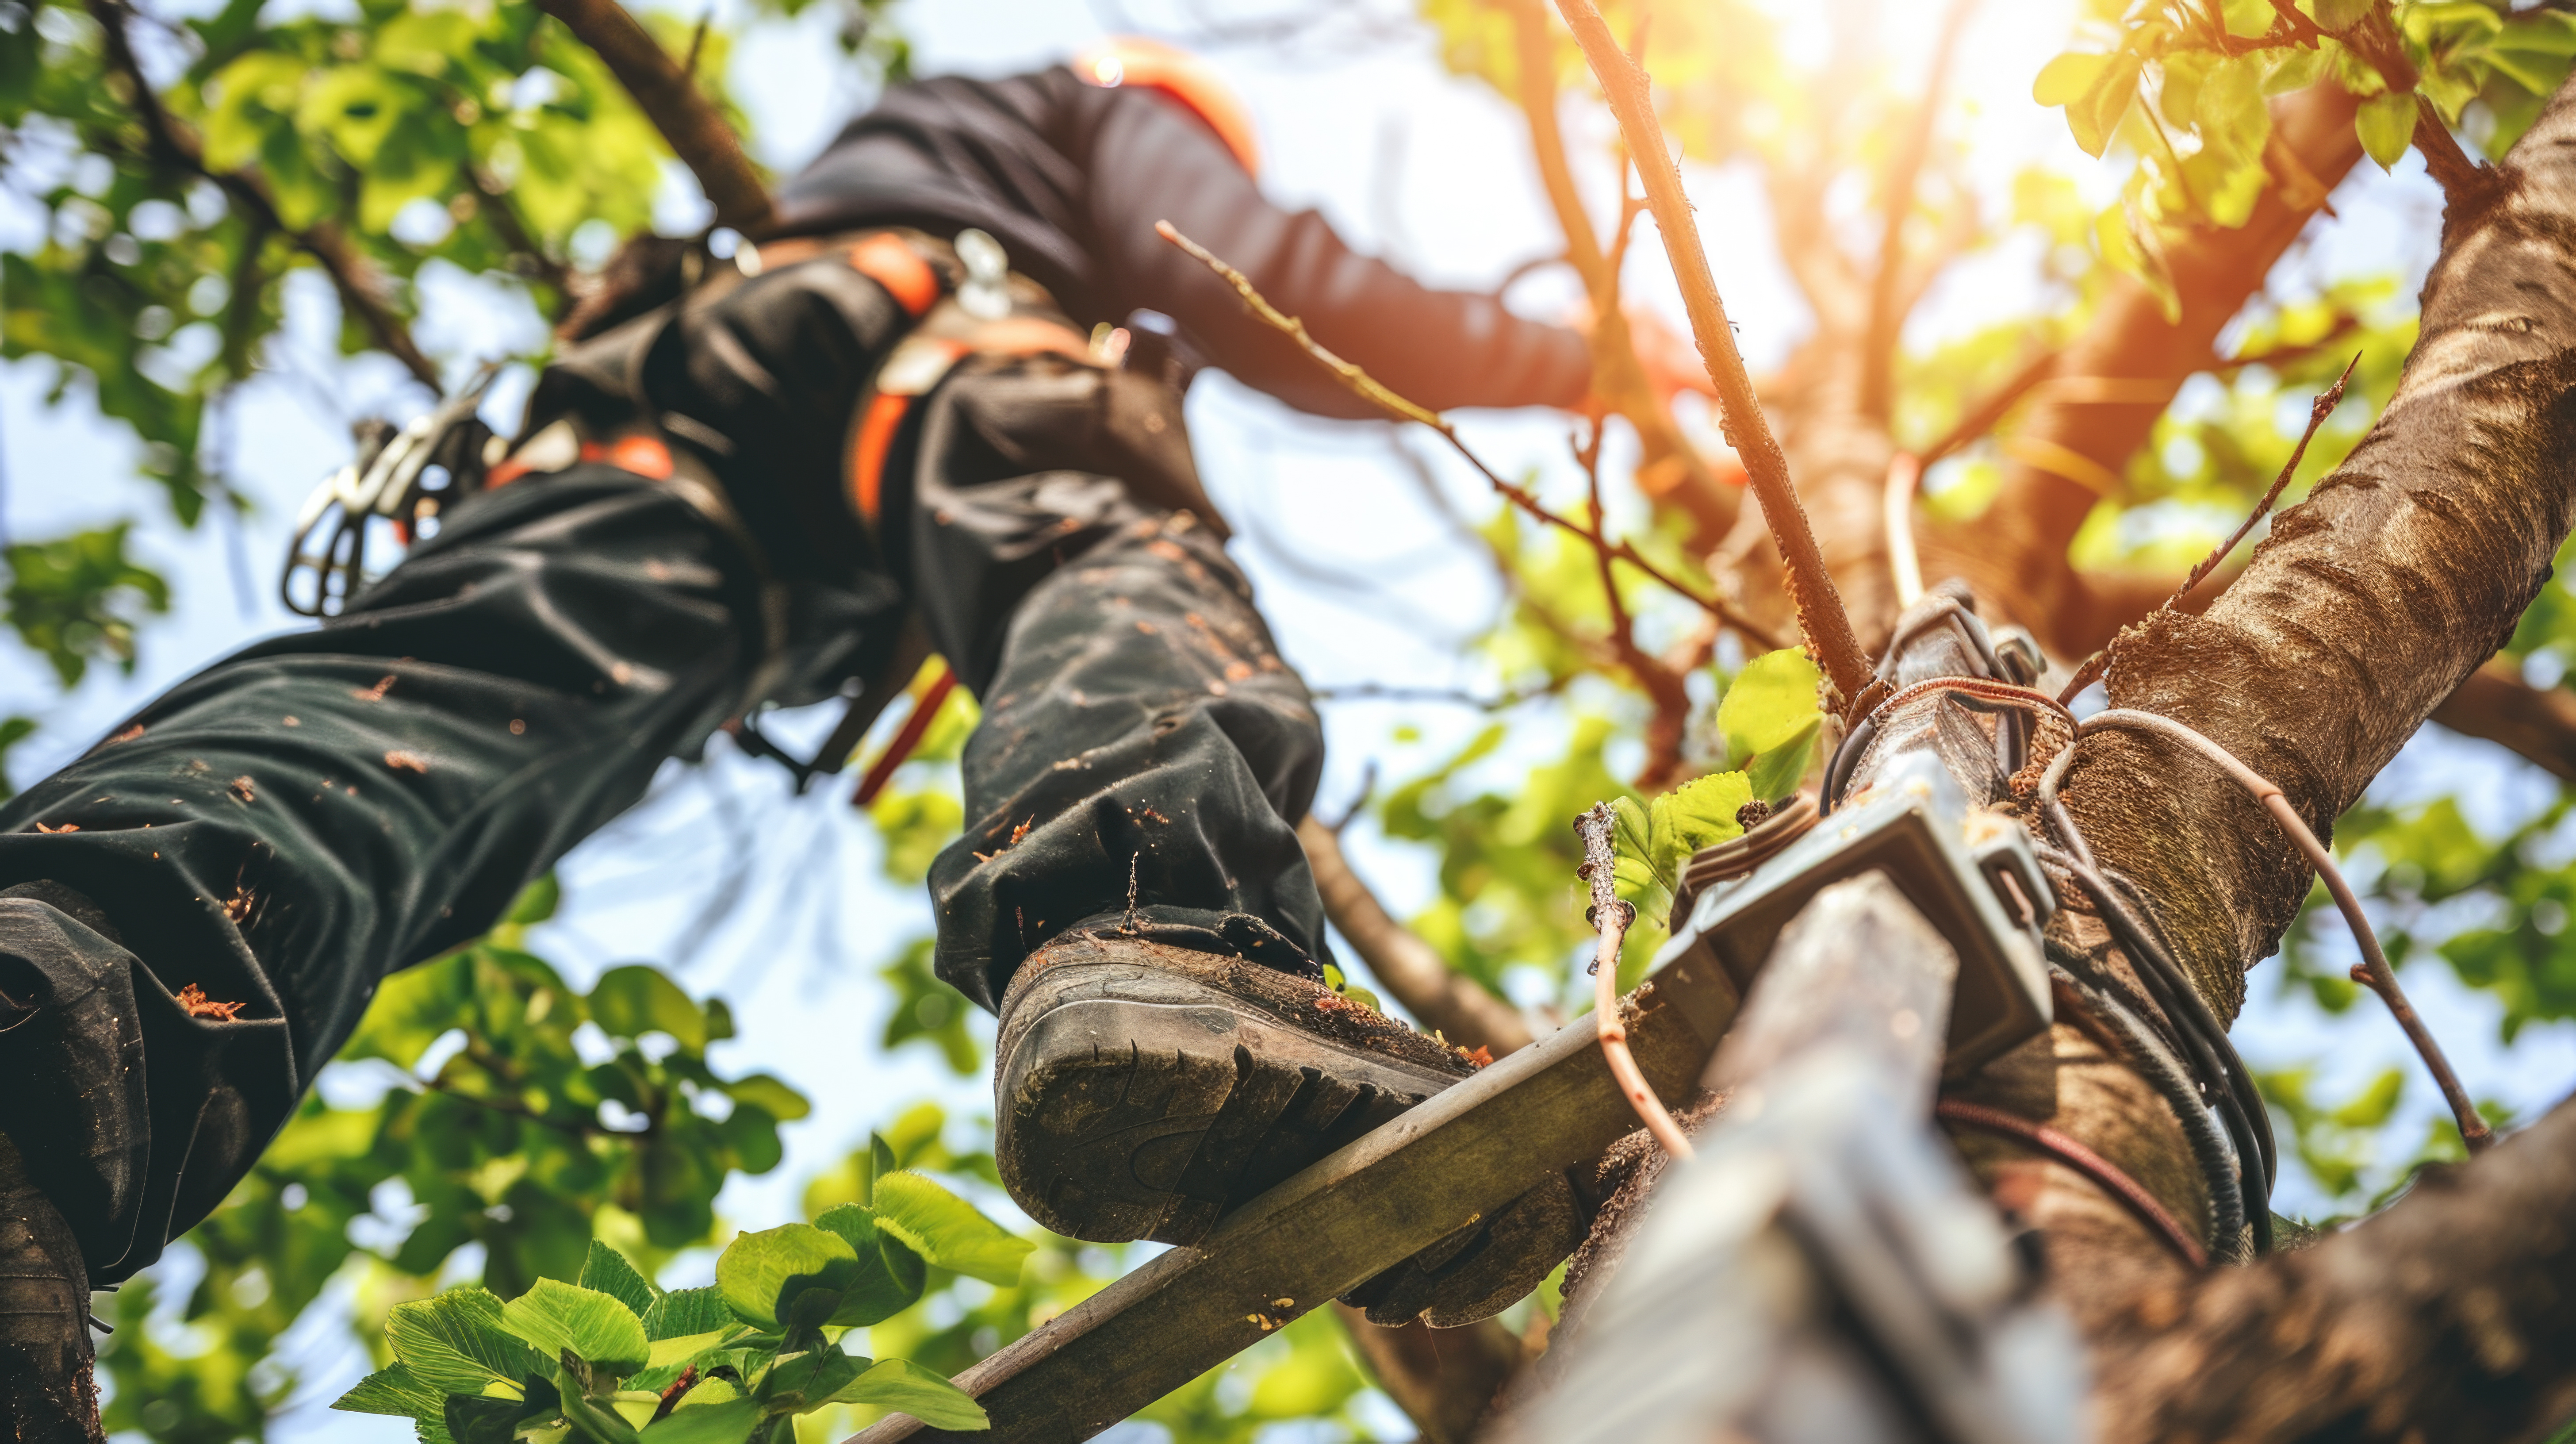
390 479
1950 862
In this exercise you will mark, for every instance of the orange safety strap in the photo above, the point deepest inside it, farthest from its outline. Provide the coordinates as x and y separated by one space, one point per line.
899 750
886 260
868 458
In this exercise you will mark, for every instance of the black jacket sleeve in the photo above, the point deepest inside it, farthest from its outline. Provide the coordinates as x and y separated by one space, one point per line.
1150 160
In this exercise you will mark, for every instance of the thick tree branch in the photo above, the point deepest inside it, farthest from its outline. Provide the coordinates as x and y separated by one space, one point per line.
2016 553
2450 1316
2496 705
2372 601
172 143
667 95
1811 585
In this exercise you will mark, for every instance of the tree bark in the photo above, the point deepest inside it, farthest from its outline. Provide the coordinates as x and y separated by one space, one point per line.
2369 603
2450 1316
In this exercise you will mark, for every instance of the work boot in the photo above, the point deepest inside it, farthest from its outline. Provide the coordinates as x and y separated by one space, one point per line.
47 1394
71 1121
1144 1091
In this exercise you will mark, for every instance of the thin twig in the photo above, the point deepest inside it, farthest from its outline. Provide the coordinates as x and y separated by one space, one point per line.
697 44
1617 373
170 141
1812 593
2373 971
670 99
1904 173
1368 388
2318 410
1612 917
1667 729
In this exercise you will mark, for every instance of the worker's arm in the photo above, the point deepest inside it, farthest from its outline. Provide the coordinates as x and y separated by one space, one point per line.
1150 161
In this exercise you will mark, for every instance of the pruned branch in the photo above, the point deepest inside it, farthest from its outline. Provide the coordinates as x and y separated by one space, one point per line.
669 97
170 142
1376 393
1812 593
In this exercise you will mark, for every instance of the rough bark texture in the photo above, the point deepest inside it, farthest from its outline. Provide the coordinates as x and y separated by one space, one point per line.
2369 603
2016 551
2452 1316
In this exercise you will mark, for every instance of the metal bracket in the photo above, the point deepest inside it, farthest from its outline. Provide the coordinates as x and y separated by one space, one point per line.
1959 868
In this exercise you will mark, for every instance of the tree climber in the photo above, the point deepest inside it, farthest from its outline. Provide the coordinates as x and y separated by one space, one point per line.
891 414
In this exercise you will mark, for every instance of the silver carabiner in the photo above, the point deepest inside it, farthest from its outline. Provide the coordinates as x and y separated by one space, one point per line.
385 481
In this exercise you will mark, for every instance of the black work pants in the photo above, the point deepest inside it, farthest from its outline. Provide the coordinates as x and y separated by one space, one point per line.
291 824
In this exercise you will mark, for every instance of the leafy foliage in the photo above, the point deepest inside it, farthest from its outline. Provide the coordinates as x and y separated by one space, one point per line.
73 600
613 1358
497 1131
2187 91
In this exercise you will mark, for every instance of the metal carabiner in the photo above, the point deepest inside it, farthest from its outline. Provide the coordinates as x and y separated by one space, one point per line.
383 482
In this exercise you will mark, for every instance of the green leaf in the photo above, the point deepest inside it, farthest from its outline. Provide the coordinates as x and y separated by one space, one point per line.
1770 702
2095 115
680 1350
609 1272
1776 773
686 1311
907 1388
947 1230
13 731
767 1277
1694 815
536 902
556 1316
771 1096
2386 123
728 1422
2341 14
2064 80
635 1000
474 1419
808 1380
890 1274
394 1390
73 599
2376 1104
459 1341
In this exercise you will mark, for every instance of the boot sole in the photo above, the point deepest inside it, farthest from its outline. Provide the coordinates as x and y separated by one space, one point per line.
1135 1103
